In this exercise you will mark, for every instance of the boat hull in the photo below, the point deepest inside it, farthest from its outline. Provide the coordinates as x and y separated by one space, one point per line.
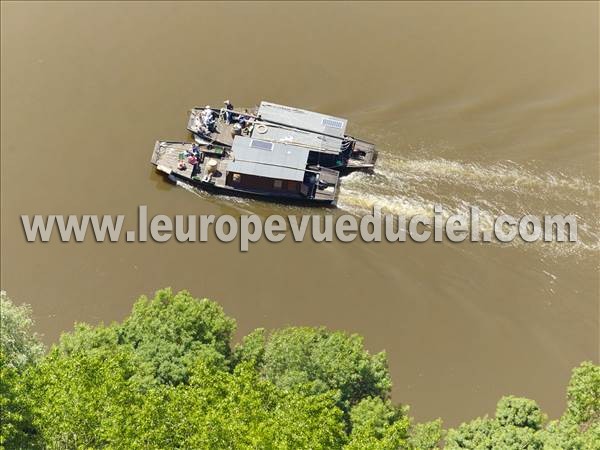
264 196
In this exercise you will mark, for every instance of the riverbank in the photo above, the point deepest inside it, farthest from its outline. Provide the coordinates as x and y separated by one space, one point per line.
168 376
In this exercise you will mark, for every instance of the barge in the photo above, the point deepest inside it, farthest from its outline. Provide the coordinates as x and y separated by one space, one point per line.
322 135
248 167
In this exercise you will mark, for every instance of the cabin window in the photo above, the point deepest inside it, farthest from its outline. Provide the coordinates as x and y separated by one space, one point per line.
236 178
277 184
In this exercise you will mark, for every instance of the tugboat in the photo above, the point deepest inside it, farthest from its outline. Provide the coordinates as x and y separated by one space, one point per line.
249 167
322 135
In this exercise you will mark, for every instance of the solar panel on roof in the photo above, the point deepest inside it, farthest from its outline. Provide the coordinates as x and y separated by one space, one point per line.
332 123
302 119
261 145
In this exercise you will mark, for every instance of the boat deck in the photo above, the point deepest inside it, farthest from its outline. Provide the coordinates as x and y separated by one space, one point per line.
224 131
168 155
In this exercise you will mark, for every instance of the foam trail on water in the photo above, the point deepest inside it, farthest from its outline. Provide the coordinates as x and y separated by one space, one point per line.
409 187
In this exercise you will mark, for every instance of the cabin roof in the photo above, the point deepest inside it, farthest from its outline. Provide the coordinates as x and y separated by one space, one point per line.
300 118
316 141
268 159
266 171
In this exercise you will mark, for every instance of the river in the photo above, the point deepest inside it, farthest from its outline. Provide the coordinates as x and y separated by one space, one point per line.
486 104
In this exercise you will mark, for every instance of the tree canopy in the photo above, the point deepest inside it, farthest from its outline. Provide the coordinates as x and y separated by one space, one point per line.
18 343
167 378
520 424
320 360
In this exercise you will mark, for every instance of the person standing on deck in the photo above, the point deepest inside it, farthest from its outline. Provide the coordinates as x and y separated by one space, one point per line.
208 118
228 111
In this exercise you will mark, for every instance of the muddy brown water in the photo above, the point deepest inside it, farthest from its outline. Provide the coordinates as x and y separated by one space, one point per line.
494 105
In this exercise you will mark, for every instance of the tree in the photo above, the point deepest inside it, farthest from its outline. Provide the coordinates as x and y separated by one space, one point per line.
252 348
515 427
567 435
168 333
19 349
166 378
325 360
519 422
579 428
87 338
375 415
173 331
241 410
80 400
425 436
520 412
378 424
476 434
16 428
19 345
96 401
583 394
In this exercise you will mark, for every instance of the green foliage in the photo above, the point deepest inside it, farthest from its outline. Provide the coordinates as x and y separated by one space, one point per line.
520 412
425 436
18 344
373 416
16 429
88 339
583 394
519 422
95 401
490 434
167 333
166 378
327 361
473 435
252 348
241 410
579 428
173 331
81 399
511 437
377 424
394 436
19 349
567 435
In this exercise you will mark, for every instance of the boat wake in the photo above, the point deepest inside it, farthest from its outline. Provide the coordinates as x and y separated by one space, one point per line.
409 187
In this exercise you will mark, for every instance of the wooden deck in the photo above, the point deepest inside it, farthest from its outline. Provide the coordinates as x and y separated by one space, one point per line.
168 155
224 133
